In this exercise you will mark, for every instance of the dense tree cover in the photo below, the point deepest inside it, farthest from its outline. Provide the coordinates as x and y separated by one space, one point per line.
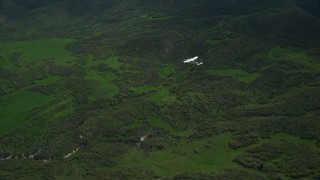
97 89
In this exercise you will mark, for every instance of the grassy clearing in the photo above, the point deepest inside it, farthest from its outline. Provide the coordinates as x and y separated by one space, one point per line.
113 62
160 94
167 71
289 138
49 80
105 86
296 55
14 109
69 109
21 55
144 89
91 61
239 74
163 125
64 113
209 155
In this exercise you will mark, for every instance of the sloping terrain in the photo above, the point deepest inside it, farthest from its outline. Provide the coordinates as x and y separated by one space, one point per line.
98 90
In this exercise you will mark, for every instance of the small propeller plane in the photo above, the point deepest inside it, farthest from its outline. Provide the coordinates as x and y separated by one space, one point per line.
193 61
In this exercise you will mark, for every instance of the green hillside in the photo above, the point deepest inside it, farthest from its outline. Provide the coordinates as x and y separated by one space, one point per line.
99 90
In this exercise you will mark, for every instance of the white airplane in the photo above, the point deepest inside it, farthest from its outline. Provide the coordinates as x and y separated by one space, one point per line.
193 61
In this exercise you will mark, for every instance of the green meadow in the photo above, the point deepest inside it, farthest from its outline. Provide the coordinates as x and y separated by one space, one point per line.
160 95
144 89
167 70
203 156
14 109
208 155
104 84
295 55
22 55
164 125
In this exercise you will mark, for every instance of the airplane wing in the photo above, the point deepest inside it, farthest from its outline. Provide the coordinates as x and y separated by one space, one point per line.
191 59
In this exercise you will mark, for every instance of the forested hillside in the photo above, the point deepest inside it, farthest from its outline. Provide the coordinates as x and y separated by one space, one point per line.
97 89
